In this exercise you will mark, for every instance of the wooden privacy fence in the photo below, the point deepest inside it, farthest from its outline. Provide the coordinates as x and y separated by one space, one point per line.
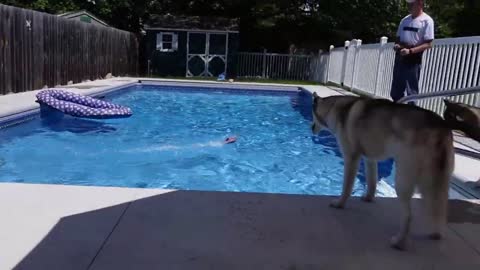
39 49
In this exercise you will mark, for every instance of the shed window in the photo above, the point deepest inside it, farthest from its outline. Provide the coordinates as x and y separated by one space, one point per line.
167 42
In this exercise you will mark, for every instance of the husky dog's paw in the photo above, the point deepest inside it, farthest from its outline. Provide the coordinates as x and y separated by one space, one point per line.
337 204
435 236
367 198
399 243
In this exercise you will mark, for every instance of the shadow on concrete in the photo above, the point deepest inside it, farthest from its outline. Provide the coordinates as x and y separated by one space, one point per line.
213 230
464 212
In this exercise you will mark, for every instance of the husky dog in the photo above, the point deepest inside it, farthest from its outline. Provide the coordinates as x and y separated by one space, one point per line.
420 142
463 117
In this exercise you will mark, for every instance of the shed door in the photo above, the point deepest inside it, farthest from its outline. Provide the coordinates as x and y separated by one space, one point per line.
206 54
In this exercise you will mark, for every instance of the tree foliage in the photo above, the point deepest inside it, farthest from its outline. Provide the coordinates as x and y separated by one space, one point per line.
275 24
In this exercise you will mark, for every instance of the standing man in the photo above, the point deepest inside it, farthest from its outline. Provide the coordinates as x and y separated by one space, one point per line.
415 35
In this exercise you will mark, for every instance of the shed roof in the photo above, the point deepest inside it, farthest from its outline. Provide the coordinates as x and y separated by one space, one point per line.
74 14
192 23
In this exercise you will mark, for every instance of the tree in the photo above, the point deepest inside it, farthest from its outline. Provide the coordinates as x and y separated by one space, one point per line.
275 24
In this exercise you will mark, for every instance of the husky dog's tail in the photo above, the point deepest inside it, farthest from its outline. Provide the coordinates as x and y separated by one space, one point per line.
464 118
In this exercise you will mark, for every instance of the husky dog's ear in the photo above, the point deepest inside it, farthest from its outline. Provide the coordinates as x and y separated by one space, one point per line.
447 102
463 117
453 107
316 99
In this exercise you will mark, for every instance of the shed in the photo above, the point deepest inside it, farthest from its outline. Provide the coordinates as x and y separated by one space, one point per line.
191 46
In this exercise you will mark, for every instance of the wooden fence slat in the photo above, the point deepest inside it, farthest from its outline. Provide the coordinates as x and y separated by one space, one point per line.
8 18
38 49
2 51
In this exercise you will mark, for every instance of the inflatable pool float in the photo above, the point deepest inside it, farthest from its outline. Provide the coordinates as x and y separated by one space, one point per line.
81 106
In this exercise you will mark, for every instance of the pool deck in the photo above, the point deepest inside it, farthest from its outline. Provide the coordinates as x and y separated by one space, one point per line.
69 227
63 227
14 104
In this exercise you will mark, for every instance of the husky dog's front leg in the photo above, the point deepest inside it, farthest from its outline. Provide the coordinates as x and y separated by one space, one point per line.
350 171
372 178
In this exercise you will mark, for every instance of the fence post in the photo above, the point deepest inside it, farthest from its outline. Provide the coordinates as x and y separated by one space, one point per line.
383 42
148 68
264 66
318 71
328 63
356 48
344 62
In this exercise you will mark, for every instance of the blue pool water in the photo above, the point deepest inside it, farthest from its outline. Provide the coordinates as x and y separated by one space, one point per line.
174 141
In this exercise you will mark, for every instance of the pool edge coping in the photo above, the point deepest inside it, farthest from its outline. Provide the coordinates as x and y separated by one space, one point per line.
32 110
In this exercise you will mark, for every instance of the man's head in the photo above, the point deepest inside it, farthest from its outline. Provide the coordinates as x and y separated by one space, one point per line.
415 7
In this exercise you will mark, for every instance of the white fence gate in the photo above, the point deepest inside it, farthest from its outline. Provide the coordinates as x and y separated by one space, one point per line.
451 63
283 66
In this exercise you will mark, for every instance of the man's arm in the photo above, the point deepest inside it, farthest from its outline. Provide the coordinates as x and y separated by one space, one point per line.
398 45
414 50
419 49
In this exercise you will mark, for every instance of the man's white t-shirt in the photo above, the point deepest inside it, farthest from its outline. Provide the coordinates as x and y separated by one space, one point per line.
415 31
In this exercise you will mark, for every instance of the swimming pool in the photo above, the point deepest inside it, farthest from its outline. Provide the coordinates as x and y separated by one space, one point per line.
174 141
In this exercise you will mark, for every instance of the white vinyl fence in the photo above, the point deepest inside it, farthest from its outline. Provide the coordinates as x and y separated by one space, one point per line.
319 68
451 64
335 69
283 66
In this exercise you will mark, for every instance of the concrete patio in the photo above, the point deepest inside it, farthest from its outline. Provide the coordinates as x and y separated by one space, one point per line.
66 227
